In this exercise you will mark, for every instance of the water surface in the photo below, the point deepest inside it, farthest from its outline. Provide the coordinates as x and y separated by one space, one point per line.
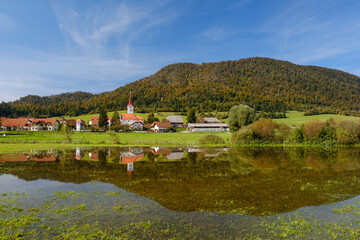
181 193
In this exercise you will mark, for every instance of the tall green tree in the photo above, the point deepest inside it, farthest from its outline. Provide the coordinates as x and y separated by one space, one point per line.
191 115
241 115
116 121
116 118
103 121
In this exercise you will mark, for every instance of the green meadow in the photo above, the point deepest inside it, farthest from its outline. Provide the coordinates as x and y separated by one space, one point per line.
22 141
294 118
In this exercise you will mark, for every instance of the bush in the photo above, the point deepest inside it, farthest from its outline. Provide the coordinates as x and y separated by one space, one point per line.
299 135
244 135
313 128
211 139
269 130
347 132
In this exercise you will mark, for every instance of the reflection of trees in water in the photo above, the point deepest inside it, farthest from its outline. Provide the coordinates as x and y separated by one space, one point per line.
246 160
191 158
265 180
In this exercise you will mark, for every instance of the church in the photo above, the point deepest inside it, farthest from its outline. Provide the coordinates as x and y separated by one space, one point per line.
134 121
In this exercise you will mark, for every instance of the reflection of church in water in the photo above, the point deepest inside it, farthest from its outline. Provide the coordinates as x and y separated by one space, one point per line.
133 155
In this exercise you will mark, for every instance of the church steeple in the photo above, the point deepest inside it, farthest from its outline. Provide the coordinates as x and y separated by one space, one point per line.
130 106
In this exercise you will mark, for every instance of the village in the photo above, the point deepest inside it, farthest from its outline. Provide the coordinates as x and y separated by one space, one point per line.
129 120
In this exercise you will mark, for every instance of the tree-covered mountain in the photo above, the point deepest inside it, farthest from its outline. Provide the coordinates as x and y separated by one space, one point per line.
259 82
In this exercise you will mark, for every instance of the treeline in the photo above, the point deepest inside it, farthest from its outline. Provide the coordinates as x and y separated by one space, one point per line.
270 86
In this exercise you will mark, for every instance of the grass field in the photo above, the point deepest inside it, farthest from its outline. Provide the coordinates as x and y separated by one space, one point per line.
58 139
296 119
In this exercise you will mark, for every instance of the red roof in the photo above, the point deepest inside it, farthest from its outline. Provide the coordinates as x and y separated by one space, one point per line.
130 101
162 124
131 116
15 122
94 120
52 121
13 158
50 158
125 160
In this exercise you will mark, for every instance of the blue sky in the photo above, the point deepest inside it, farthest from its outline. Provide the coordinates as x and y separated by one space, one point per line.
49 47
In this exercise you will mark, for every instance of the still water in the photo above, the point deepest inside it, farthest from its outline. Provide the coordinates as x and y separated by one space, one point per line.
181 193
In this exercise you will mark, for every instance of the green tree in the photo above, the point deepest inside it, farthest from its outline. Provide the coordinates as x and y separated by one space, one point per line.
116 121
241 115
151 118
103 121
191 116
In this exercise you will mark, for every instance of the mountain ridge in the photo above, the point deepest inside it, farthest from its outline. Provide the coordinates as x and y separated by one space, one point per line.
259 82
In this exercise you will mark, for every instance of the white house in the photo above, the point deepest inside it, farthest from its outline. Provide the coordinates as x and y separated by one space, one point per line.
160 126
49 124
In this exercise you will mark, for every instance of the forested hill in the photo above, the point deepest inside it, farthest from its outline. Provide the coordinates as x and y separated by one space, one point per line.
259 82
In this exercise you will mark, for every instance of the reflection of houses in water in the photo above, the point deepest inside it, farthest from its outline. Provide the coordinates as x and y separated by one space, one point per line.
171 154
129 158
94 155
45 158
160 151
175 155
14 158
78 153
215 152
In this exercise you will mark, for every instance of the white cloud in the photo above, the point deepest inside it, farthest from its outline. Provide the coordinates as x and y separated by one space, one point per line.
99 56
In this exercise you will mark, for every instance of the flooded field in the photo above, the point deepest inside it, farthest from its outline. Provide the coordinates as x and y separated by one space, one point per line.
181 193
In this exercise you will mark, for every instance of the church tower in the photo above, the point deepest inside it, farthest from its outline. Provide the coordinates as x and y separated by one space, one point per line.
130 107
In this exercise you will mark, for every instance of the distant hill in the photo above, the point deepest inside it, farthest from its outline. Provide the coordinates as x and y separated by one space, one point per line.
259 82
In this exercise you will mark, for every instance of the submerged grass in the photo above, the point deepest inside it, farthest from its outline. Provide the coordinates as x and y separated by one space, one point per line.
67 215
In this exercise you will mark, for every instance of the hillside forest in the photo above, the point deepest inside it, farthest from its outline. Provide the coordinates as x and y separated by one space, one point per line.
268 85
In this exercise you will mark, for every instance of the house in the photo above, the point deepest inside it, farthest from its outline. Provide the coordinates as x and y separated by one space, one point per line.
94 121
19 124
49 124
72 122
130 119
207 127
80 125
160 126
209 120
176 120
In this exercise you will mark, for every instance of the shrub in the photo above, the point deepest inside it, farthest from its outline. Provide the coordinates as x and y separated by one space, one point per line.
211 139
265 129
244 135
114 137
283 132
299 135
313 128
347 132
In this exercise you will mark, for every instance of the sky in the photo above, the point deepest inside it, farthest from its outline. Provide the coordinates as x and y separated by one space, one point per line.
54 46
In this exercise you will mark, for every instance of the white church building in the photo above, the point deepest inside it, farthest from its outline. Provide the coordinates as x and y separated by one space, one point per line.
130 119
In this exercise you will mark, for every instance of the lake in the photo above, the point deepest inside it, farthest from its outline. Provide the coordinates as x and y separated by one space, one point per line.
181 193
